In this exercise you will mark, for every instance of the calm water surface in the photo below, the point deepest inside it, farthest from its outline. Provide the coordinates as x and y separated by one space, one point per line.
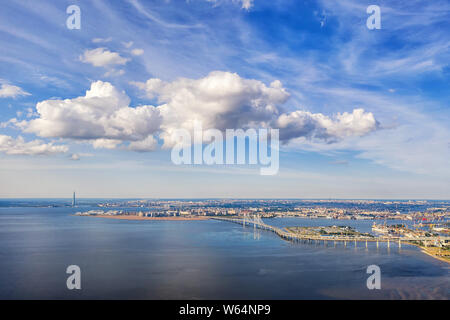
198 260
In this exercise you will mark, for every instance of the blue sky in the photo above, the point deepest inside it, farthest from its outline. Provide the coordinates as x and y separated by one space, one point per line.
310 60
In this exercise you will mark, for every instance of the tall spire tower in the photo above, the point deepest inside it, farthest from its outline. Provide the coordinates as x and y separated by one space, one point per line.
73 200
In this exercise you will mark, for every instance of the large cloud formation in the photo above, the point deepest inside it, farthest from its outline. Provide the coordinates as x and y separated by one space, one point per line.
221 100
102 116
224 100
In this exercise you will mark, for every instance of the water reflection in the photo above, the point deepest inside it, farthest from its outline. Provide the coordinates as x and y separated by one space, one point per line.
199 260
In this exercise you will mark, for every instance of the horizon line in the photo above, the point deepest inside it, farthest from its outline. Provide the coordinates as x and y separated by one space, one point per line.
215 198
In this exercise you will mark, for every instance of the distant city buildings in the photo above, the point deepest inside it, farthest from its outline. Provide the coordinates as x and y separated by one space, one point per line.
415 211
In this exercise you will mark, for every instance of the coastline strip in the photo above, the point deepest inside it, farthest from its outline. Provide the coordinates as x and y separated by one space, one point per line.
136 218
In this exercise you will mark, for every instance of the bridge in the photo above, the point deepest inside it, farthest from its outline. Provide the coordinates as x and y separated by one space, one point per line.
257 223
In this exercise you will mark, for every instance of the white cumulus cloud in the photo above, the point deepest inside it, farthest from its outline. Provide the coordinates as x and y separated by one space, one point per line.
148 144
224 100
220 100
137 52
18 146
102 57
316 125
102 116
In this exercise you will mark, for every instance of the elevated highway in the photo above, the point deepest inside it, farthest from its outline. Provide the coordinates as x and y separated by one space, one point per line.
257 223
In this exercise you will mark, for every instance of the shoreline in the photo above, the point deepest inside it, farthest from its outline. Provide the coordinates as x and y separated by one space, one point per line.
434 256
424 250
136 218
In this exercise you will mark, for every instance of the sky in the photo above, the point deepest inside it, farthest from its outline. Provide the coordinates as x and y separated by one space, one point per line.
362 113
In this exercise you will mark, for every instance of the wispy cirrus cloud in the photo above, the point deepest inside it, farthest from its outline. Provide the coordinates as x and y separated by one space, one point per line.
102 40
245 4
79 156
146 12
11 91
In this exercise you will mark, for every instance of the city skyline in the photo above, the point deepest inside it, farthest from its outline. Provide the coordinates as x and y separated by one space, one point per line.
362 114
